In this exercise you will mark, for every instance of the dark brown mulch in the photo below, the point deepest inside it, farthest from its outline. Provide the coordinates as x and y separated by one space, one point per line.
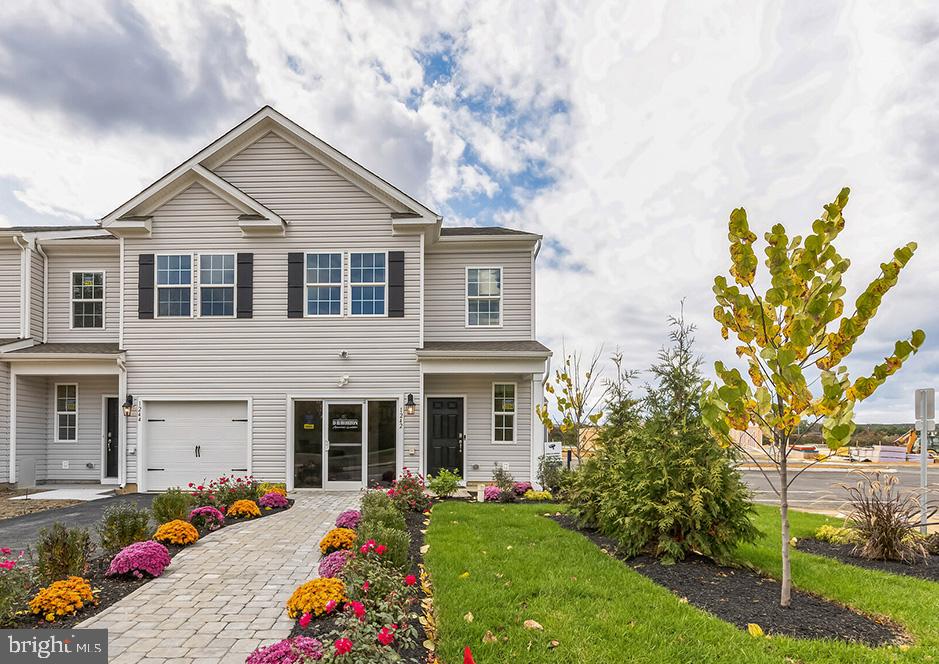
741 596
116 588
417 655
927 569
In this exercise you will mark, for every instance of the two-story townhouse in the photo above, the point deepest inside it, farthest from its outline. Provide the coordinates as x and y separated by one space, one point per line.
268 307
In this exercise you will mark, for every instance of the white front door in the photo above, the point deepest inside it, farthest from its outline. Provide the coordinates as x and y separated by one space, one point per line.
344 444
194 441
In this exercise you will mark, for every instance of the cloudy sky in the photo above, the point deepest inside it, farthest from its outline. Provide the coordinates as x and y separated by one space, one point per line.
624 133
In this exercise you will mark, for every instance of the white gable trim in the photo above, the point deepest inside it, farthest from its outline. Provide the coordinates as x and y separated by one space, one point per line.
235 140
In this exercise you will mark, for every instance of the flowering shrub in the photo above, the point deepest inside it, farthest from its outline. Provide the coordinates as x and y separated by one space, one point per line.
521 487
492 493
62 598
244 509
316 597
336 539
531 494
349 519
289 651
140 558
408 494
273 500
15 583
225 491
331 565
207 517
177 532
368 635
272 487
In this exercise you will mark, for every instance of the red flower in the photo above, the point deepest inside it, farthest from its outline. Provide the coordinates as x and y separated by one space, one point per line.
358 609
365 587
385 637
380 549
200 487
410 580
330 605
343 646
305 620
363 549
468 656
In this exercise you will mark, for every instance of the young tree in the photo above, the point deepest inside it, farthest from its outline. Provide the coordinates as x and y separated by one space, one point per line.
794 339
578 397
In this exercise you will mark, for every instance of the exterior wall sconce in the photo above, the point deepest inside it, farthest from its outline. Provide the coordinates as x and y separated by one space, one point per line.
409 406
128 406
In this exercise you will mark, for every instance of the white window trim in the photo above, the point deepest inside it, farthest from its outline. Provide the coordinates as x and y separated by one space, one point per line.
72 300
492 406
55 408
384 283
308 284
157 286
197 305
466 296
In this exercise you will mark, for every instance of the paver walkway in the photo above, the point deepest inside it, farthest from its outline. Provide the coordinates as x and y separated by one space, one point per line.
224 596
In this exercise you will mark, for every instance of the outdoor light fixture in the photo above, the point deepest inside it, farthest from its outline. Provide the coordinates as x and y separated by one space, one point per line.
128 406
410 405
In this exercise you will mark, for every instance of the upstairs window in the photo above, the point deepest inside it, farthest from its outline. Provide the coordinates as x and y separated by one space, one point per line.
88 300
66 412
324 284
174 285
503 412
217 285
484 297
367 275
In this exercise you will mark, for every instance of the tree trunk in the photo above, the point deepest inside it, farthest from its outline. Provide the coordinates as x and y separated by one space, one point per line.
786 587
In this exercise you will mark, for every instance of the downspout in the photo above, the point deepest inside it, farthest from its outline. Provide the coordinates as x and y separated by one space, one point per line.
24 286
45 291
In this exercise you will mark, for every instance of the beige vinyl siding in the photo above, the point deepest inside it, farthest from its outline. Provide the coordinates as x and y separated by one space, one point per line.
10 284
269 357
4 422
32 423
87 449
478 447
445 295
61 264
35 295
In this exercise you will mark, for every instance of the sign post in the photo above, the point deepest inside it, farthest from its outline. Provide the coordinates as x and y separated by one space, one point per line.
925 406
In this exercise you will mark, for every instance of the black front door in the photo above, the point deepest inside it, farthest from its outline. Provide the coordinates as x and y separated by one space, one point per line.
444 434
111 438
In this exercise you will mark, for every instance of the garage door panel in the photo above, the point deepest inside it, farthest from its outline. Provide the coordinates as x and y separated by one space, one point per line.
175 430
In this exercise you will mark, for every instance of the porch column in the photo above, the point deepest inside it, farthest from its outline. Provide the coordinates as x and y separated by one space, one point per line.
12 424
122 427
537 428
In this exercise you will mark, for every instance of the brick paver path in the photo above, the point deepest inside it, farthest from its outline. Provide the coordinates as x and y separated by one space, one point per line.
223 597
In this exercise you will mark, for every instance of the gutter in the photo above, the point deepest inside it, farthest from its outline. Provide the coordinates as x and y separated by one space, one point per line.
475 355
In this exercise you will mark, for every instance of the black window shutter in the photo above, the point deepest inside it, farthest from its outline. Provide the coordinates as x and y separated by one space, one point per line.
396 284
295 285
245 285
145 286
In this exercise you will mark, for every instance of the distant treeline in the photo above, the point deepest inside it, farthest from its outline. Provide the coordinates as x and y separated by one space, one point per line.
865 435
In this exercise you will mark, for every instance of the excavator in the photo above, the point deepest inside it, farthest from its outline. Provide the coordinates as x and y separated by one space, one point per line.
909 440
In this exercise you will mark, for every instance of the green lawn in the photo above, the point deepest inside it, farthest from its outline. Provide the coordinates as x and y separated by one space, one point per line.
507 563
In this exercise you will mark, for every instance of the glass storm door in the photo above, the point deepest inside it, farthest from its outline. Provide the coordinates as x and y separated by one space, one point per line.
344 445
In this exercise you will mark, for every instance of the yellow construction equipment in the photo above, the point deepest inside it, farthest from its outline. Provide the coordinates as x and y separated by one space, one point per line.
908 439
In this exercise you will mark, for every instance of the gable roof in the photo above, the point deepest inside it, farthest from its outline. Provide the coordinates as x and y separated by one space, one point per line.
132 213
475 231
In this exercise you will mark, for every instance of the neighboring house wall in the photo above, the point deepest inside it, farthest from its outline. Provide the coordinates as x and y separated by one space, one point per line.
61 264
479 448
269 356
35 295
445 295
4 422
10 285
87 448
33 404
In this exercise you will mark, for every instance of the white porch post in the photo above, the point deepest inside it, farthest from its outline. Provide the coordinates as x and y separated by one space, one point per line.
537 427
12 425
122 427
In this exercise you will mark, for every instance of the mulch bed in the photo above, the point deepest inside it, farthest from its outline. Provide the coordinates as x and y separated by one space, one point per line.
13 508
116 588
741 596
927 569
320 627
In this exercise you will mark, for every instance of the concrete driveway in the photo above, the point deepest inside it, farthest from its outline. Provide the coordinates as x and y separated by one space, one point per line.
21 532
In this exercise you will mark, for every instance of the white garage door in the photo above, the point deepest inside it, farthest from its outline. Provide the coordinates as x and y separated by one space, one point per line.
194 441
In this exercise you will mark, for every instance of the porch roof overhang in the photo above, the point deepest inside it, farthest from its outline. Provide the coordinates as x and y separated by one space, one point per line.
65 358
516 357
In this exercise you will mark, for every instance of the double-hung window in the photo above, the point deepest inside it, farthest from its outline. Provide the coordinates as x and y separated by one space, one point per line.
503 412
66 412
367 275
324 284
174 285
217 285
484 296
88 300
